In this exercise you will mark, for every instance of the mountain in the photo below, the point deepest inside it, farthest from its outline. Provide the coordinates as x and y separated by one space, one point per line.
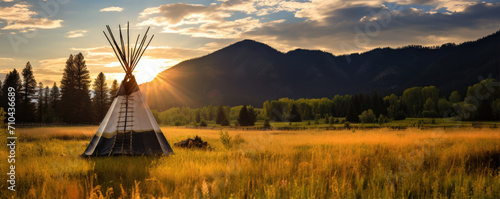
249 72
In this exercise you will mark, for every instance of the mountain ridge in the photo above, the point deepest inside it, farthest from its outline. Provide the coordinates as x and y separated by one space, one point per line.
250 72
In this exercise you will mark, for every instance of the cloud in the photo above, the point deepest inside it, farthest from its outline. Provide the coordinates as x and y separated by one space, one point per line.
204 21
111 9
76 33
20 17
359 28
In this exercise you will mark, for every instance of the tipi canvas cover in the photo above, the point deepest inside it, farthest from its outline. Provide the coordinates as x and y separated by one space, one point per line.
129 127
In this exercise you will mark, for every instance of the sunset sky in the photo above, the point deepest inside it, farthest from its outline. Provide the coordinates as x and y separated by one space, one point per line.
47 32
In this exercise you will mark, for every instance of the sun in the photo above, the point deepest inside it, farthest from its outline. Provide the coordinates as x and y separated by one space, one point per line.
148 68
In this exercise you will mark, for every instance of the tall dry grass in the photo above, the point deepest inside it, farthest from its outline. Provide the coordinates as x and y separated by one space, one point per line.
459 163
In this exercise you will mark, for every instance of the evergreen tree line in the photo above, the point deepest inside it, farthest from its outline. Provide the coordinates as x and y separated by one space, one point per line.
481 102
68 103
223 115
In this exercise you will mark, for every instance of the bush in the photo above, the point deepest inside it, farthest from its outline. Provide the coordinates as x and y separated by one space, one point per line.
347 125
203 123
238 140
382 119
331 120
225 122
367 116
225 138
178 123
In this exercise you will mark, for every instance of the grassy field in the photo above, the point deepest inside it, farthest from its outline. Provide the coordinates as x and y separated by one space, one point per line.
378 163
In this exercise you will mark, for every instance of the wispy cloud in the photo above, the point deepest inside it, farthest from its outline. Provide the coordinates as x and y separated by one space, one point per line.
20 17
112 9
76 33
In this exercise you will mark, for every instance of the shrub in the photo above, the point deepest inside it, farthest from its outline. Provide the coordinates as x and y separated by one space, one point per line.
225 138
238 140
203 123
178 123
225 122
382 119
367 116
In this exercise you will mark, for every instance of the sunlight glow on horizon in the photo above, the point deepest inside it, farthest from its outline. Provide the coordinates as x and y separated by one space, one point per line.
146 69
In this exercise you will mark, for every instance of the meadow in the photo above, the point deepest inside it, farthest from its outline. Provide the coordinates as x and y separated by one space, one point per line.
375 163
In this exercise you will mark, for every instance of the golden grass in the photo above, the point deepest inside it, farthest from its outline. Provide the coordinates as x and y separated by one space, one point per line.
378 163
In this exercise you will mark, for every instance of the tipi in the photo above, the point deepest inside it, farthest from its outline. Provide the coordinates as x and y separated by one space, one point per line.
129 127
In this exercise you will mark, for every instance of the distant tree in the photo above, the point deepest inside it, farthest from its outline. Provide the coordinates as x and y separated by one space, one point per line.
253 115
225 122
12 79
382 119
197 116
27 107
455 97
247 116
203 123
367 116
49 111
294 115
221 115
54 97
75 106
354 110
113 90
443 106
101 97
412 100
429 108
41 106
243 118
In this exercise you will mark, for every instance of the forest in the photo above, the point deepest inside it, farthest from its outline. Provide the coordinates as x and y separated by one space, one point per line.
68 103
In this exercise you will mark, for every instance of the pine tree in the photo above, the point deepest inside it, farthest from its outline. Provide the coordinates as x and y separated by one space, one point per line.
49 113
354 110
75 98
252 115
101 96
27 108
244 117
40 108
68 92
12 79
294 115
54 100
114 90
